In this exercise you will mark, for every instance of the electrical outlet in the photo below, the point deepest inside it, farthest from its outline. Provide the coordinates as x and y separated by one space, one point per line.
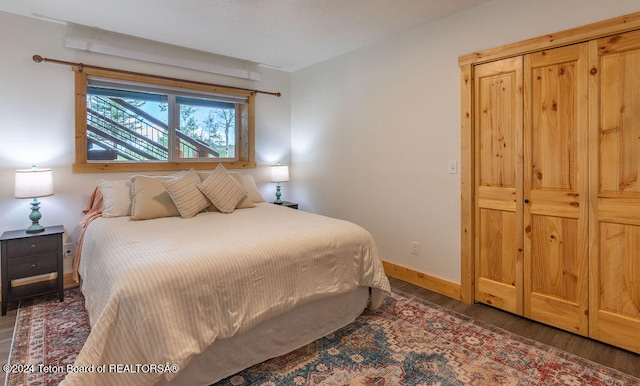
67 250
415 248
453 167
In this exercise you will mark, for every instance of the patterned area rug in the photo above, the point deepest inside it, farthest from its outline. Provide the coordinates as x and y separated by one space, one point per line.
48 335
408 341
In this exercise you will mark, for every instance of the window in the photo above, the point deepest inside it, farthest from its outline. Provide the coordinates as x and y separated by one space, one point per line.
133 122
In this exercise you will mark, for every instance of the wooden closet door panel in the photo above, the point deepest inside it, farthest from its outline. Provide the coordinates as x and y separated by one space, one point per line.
556 187
498 181
615 191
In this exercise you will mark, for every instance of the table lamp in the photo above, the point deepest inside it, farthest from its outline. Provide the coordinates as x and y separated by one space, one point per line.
279 173
34 183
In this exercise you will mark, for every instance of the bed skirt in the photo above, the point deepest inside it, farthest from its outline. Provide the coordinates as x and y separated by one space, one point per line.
272 338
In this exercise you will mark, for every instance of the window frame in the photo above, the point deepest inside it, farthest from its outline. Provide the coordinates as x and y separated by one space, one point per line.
245 152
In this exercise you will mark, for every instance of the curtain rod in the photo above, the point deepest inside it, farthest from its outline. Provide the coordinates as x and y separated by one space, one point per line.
39 59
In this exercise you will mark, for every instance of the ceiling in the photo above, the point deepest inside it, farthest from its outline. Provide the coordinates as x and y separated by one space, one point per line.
284 34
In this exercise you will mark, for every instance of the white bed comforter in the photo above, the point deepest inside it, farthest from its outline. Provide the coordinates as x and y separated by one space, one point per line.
160 291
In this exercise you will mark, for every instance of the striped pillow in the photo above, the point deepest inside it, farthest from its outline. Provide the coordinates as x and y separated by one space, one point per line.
222 190
185 194
117 197
253 194
245 202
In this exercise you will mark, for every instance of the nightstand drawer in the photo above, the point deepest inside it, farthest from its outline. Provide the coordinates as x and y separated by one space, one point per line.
32 246
27 255
32 265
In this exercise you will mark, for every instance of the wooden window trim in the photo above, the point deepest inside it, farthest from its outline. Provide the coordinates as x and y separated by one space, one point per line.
246 140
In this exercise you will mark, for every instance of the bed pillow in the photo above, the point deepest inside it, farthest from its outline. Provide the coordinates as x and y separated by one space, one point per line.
222 190
150 199
246 202
117 197
203 176
252 190
246 180
185 194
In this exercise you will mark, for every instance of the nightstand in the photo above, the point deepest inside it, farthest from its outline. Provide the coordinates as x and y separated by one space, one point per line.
26 255
288 204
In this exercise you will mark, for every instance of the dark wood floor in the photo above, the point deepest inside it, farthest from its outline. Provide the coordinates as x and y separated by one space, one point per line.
610 356
7 323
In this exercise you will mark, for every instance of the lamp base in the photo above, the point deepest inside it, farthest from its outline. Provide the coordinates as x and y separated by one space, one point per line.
35 216
35 228
278 201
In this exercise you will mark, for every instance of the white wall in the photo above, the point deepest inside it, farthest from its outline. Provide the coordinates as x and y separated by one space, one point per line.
37 120
373 130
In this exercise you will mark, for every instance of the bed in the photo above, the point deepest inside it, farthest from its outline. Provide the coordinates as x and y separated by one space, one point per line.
190 301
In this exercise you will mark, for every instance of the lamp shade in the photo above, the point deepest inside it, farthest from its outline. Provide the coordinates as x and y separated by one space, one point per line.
279 173
34 182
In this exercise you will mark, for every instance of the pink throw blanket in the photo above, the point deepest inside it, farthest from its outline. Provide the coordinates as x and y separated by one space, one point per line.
93 210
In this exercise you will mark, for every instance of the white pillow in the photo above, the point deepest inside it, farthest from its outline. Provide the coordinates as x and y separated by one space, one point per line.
116 196
222 190
252 190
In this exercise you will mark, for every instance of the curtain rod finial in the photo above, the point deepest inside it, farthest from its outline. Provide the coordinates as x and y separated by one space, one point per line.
38 58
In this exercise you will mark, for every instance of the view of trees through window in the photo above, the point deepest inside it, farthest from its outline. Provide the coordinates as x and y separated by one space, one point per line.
126 125
212 125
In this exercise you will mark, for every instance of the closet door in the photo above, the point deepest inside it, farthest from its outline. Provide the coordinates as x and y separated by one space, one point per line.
615 191
498 181
556 187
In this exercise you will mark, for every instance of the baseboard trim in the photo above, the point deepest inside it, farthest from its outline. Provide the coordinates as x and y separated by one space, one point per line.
68 281
432 283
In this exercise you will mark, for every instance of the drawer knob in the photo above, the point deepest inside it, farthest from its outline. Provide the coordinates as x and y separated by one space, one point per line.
33 246
34 265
